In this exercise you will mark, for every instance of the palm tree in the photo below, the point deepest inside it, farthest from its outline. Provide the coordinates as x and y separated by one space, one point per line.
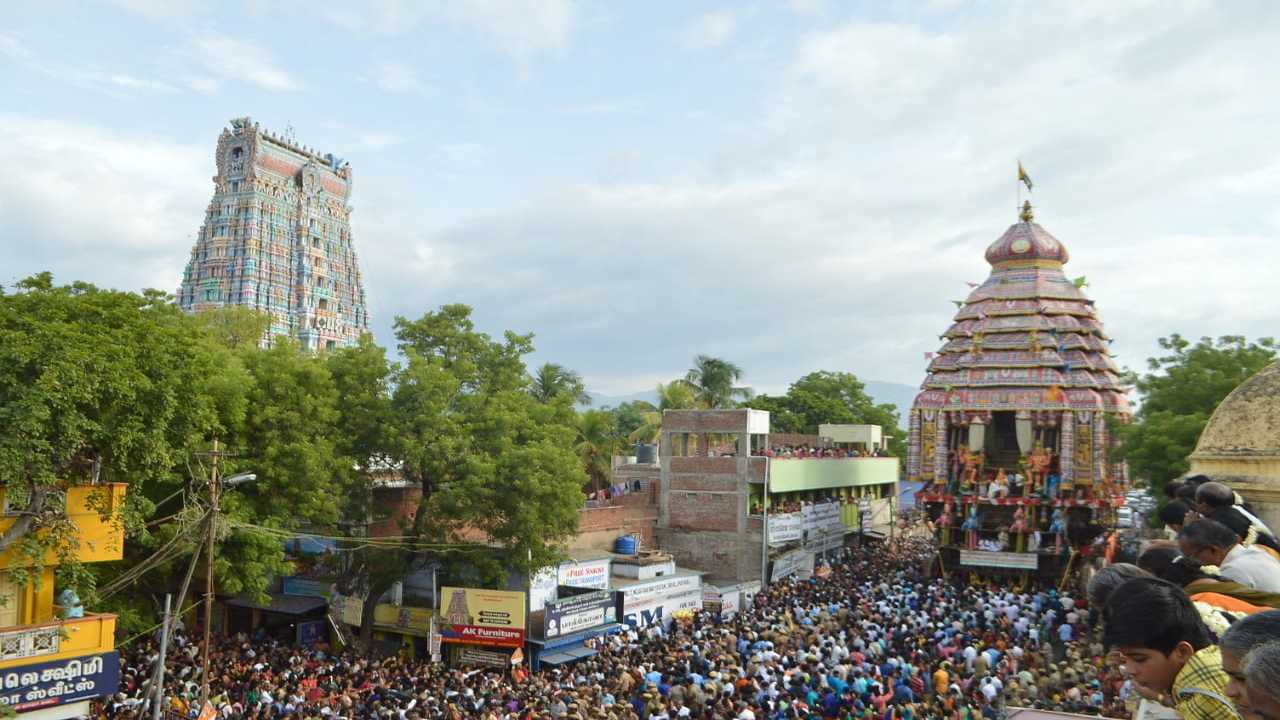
712 380
552 381
675 395
596 445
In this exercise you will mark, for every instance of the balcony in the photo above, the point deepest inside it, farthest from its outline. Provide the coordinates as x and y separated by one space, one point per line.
800 474
45 642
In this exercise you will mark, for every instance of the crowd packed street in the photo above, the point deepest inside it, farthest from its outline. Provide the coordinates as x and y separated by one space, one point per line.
870 636
873 639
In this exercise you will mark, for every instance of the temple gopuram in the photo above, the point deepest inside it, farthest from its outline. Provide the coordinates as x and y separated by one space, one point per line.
1010 434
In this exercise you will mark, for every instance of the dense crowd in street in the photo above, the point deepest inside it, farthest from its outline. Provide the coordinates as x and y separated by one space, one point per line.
873 638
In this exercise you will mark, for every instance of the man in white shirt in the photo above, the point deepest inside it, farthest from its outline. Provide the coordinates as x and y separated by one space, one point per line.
1212 543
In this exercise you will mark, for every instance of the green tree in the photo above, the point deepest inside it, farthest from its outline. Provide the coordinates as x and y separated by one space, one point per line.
551 381
499 471
675 395
597 443
630 417
1179 393
829 397
101 385
713 382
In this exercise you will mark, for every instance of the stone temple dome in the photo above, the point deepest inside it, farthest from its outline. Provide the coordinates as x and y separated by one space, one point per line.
1241 444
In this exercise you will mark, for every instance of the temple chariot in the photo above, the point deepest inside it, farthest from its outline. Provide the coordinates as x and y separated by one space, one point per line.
1011 434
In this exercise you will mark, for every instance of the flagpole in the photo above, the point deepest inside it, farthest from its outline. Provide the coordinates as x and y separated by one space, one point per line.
1017 182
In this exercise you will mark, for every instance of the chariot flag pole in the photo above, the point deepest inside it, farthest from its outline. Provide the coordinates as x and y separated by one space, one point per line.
1023 179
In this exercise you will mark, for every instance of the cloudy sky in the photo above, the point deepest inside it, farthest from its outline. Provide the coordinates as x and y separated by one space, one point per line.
792 186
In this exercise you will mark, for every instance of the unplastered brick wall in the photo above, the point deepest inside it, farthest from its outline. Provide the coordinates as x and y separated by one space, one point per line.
603 518
703 511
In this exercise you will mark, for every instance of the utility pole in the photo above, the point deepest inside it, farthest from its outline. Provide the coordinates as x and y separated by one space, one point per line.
157 710
208 596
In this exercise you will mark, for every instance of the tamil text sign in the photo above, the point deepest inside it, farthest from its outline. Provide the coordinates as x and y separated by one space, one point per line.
29 687
482 617
785 528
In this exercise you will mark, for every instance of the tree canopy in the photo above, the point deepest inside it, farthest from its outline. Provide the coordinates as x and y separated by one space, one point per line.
829 397
1179 392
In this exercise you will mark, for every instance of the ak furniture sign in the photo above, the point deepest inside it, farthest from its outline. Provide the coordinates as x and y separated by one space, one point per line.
654 601
580 612
482 617
30 687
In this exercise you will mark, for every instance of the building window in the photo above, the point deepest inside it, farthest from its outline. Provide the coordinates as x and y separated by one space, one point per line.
211 295
330 344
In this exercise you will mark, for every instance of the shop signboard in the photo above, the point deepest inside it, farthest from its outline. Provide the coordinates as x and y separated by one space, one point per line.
41 685
711 599
542 588
311 632
305 587
588 574
785 527
484 658
347 608
1011 560
655 600
403 619
580 612
796 562
482 617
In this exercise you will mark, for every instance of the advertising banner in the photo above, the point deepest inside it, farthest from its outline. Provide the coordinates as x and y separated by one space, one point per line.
654 601
1015 561
305 587
42 685
482 617
785 528
580 612
311 632
796 562
589 574
822 518
542 588
484 658
403 619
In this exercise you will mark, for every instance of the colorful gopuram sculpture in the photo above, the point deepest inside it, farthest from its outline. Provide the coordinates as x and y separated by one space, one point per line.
277 238
1025 378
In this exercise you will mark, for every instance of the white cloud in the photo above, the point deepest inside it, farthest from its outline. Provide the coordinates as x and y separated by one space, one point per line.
710 30
97 206
135 83
230 58
13 48
380 140
522 28
835 233
398 77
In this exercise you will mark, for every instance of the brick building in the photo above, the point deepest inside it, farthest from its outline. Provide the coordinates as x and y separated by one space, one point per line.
719 489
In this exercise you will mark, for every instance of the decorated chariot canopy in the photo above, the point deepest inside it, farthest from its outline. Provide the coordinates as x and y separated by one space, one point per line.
1024 372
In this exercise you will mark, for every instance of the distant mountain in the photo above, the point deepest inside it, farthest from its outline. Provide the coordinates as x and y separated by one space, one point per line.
599 400
896 394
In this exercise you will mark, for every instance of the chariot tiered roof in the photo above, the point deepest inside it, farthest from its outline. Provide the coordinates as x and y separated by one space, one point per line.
1026 339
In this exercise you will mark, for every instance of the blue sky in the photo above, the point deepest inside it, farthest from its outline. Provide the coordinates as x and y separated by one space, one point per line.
793 186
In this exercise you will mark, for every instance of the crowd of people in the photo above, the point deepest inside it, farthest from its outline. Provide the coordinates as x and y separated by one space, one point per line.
785 452
872 636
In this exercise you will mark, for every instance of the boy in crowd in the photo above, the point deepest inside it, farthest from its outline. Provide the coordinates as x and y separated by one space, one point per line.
1167 648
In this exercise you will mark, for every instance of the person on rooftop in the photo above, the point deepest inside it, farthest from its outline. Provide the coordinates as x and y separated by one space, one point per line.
1212 543
1237 644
